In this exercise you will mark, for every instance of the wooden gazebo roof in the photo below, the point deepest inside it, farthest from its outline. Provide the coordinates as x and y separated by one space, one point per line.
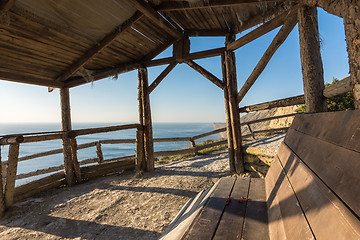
70 42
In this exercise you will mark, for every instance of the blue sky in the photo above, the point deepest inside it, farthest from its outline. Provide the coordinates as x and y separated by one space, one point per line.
184 95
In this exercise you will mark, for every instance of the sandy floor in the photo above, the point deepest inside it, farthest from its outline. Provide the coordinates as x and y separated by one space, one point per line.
122 206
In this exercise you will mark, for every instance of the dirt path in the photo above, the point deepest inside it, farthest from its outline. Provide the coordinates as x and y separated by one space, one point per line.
122 206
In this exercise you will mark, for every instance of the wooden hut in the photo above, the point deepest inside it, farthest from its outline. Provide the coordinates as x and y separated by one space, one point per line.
63 44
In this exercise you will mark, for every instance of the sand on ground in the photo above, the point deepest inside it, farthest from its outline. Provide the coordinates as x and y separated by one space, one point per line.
127 205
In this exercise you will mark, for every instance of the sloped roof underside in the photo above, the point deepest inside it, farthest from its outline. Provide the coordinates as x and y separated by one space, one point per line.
50 43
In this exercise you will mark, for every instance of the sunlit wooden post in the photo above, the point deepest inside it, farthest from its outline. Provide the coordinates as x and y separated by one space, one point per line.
228 117
66 127
2 202
11 173
352 30
145 122
231 85
311 63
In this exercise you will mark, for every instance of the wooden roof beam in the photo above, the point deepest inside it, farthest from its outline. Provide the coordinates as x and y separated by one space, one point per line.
262 30
147 63
275 44
19 78
205 73
159 20
96 49
5 6
161 77
186 5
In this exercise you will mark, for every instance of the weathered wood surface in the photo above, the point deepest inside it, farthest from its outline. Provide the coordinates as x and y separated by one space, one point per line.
342 86
341 161
99 152
350 12
311 63
256 219
74 157
231 224
274 104
205 73
2 199
161 77
145 114
11 174
28 189
10 140
88 131
344 127
66 127
230 74
206 222
285 216
89 172
270 51
228 128
98 47
319 204
260 31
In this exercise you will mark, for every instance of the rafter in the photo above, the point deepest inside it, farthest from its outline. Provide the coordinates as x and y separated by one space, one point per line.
186 5
29 80
205 73
5 6
262 30
96 49
159 20
126 67
161 77
275 44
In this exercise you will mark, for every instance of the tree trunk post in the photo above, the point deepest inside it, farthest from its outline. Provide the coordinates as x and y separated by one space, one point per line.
228 117
231 84
311 63
66 127
11 174
352 32
145 114
2 199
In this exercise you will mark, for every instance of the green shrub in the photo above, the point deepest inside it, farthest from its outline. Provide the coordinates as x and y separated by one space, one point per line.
343 102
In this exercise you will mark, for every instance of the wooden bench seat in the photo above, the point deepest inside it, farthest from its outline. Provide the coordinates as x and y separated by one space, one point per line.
311 191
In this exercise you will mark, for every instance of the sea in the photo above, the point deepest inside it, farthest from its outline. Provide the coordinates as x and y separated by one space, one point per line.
160 130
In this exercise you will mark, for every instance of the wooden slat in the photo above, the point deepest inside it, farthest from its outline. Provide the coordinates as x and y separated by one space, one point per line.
256 219
149 12
108 39
286 218
342 128
342 86
274 104
337 167
205 224
328 217
231 223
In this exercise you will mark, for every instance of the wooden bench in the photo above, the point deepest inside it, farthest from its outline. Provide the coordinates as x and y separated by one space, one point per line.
311 191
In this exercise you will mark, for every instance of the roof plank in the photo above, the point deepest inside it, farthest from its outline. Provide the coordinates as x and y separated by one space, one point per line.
108 39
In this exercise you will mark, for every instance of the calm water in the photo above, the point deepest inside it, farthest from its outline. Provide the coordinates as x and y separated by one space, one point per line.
160 130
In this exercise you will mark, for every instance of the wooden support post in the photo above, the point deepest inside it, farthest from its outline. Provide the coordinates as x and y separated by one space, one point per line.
66 126
228 117
75 160
11 174
145 114
352 30
311 63
251 131
161 77
99 153
140 154
2 202
193 145
234 107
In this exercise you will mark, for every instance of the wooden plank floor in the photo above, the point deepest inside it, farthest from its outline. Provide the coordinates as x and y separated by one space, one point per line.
237 218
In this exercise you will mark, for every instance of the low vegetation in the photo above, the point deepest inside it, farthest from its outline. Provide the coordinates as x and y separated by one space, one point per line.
344 102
